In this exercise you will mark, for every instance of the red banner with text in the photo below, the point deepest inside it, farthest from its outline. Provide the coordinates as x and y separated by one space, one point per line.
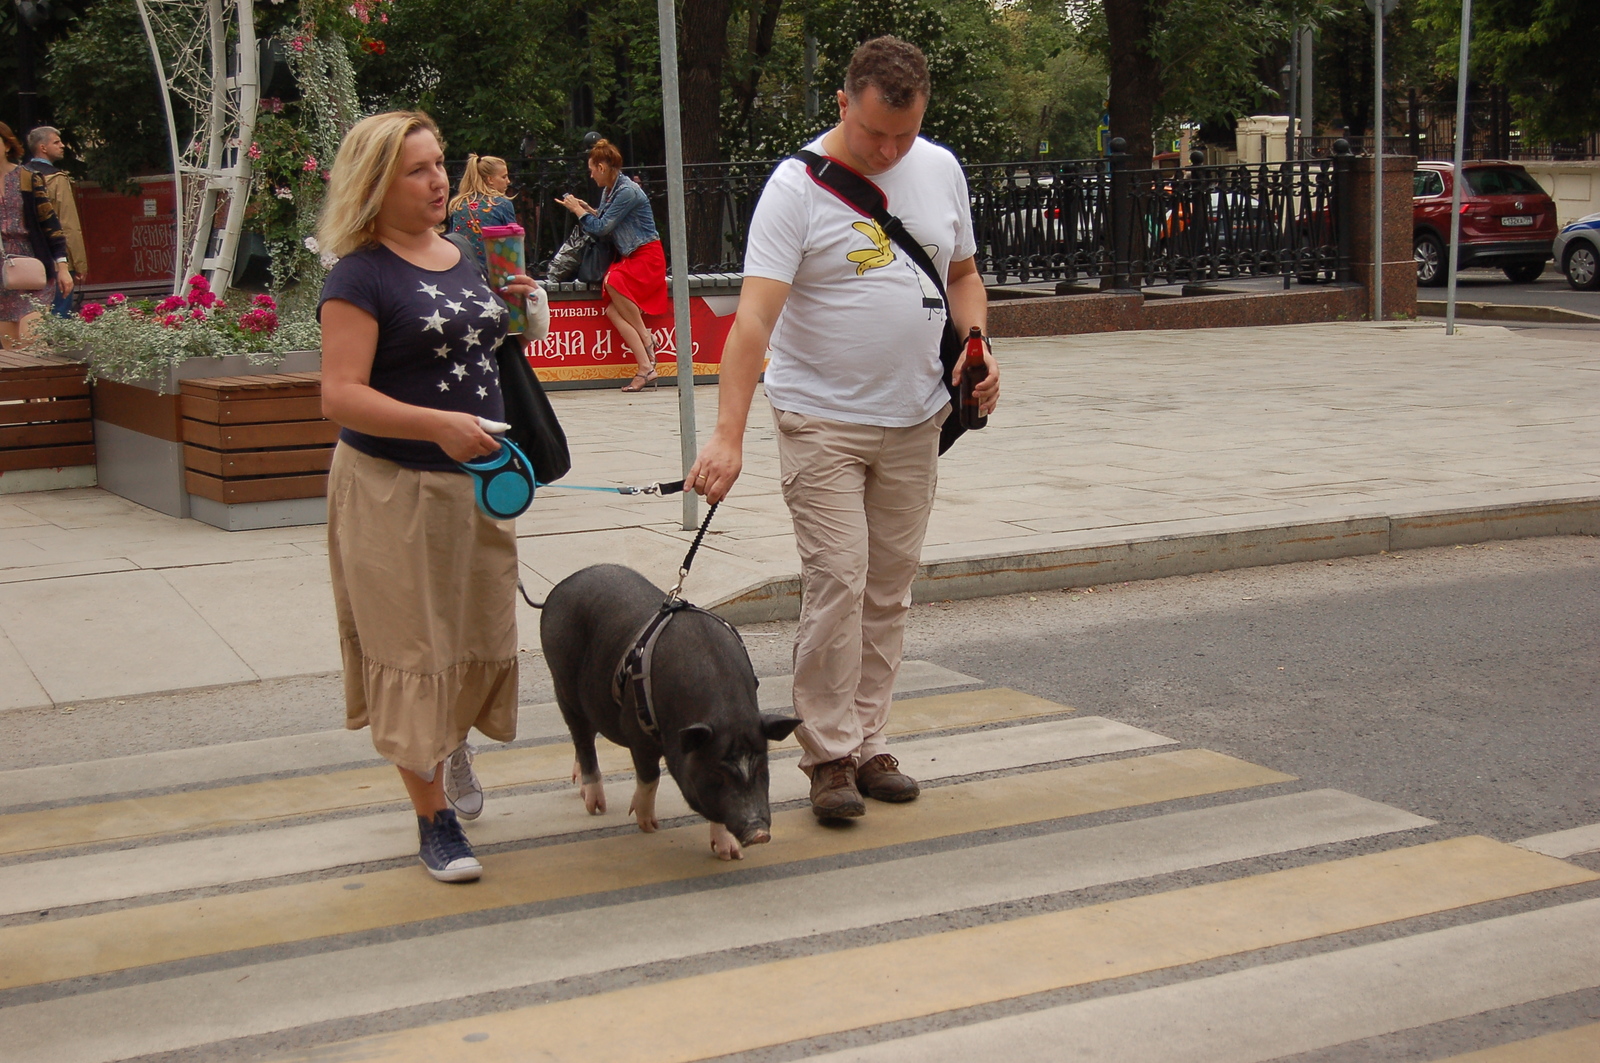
582 345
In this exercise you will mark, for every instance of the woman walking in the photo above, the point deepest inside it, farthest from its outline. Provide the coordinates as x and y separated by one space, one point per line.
29 228
422 580
636 284
481 200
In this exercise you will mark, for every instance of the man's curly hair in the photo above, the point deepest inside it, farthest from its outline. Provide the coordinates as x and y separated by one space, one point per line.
896 68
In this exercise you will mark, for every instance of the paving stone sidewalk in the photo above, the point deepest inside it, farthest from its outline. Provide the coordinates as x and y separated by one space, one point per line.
1101 441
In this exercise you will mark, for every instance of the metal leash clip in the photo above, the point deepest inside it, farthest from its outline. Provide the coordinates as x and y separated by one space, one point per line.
647 489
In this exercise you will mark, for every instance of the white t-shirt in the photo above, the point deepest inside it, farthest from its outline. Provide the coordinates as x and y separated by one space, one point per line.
858 339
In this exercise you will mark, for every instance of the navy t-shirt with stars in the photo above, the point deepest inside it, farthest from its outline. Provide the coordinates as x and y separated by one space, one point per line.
437 334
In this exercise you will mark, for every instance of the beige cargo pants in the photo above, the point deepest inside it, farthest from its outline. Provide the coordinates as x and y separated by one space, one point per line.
859 497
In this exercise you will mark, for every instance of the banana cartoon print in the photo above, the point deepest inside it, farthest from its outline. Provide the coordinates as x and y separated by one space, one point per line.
880 254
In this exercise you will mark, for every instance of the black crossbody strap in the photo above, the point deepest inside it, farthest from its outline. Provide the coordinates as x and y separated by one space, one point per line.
866 198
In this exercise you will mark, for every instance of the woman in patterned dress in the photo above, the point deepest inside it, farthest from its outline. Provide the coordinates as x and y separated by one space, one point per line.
30 229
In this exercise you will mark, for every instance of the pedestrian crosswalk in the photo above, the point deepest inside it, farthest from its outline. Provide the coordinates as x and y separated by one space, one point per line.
1065 888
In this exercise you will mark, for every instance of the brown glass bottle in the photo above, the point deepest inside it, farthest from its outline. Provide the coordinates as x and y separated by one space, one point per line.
973 373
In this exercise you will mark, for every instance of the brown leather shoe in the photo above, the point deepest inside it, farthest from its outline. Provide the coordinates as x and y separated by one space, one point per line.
833 790
882 780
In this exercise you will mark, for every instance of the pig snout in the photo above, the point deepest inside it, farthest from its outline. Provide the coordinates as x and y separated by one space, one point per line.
755 835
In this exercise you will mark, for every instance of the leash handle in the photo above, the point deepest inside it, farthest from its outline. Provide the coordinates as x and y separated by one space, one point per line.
688 560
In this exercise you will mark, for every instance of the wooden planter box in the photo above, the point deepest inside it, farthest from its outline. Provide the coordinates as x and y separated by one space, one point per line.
138 431
256 449
46 434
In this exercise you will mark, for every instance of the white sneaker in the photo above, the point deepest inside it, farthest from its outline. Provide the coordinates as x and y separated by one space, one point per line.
461 786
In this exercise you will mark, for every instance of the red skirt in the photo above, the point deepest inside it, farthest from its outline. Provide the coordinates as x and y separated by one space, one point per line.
642 278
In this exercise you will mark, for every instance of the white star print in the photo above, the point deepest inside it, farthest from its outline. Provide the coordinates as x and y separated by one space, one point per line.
442 351
485 364
444 385
434 322
483 392
455 308
468 293
428 289
459 370
471 338
491 310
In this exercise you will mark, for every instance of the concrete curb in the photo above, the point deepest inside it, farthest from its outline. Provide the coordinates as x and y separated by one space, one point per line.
1157 556
1548 315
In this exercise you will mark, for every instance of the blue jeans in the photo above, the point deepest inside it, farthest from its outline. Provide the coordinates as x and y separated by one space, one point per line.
62 307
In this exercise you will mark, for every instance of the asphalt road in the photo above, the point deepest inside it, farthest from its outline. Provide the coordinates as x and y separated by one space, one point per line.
1491 286
1458 684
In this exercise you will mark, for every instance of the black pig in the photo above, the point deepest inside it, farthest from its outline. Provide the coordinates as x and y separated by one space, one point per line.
704 693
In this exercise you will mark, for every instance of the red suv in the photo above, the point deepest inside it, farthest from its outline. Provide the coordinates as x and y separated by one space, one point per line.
1507 221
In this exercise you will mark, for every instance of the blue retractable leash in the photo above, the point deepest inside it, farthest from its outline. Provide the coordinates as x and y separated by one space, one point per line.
503 482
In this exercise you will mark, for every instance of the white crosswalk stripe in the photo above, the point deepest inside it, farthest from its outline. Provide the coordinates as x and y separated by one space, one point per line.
295 927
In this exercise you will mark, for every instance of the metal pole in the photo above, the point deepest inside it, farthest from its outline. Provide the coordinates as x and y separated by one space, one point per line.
1307 56
678 238
1377 162
172 142
1456 176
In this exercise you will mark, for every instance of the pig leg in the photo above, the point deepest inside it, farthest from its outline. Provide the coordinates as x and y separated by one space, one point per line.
587 768
647 777
724 844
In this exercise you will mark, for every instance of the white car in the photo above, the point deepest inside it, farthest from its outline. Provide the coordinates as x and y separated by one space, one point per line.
1577 253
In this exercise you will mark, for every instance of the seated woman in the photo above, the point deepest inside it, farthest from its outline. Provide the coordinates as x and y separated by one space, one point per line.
636 284
481 200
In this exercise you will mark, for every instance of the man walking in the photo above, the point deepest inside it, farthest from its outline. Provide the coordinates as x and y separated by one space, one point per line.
856 389
46 149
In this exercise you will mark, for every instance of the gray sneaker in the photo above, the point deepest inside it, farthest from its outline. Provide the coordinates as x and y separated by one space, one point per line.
461 786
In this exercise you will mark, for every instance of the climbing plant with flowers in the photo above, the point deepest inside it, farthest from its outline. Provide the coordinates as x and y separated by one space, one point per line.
125 339
295 141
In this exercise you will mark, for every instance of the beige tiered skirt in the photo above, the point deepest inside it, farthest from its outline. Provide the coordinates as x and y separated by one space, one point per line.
424 586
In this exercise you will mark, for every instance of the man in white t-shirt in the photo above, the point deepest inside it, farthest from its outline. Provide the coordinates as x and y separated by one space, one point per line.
856 389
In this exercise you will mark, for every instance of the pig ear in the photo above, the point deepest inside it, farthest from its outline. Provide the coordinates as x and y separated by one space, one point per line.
694 737
777 728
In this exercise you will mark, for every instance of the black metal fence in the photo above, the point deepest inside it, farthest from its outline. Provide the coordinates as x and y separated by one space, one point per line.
1037 221
1097 219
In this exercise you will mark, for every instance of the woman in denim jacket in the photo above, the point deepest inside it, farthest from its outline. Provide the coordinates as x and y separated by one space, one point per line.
636 284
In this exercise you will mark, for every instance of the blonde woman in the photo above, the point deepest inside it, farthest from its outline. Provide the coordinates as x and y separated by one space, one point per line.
29 228
481 200
422 580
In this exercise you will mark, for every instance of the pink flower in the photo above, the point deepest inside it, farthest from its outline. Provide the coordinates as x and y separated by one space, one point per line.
116 299
255 150
90 311
199 281
298 44
310 165
198 313
265 300
171 302
202 297
171 321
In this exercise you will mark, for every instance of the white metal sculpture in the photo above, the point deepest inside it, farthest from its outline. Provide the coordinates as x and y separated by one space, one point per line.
192 43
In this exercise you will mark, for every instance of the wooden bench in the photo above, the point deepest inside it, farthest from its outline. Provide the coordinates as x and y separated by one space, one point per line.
45 419
262 438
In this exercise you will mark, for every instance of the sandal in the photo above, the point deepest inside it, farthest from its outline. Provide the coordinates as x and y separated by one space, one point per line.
641 381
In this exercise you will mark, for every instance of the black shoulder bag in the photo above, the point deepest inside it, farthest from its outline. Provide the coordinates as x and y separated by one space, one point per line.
866 198
534 428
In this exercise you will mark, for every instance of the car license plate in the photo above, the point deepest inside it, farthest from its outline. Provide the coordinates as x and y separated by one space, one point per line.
1517 219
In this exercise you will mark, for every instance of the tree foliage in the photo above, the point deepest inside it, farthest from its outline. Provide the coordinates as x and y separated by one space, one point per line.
103 95
1540 50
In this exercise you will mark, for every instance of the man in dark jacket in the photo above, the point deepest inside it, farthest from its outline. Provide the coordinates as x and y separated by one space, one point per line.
46 150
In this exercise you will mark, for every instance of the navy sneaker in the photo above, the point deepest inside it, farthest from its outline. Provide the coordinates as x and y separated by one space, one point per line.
445 852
